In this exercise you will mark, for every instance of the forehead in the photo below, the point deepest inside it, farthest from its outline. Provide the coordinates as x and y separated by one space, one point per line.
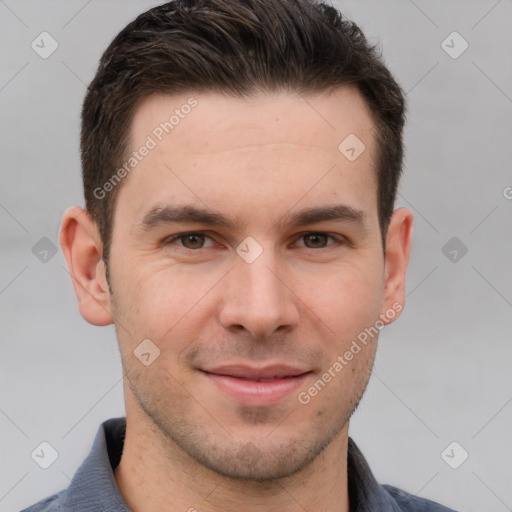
214 148
204 123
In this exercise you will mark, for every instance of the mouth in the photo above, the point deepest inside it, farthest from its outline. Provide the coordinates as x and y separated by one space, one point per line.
257 386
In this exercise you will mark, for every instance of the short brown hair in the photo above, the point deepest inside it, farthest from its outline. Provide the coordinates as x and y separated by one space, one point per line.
236 47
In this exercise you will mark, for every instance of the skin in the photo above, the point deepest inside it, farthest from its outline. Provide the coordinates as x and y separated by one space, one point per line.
302 301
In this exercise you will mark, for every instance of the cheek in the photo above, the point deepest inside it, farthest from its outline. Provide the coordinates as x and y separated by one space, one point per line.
347 297
157 301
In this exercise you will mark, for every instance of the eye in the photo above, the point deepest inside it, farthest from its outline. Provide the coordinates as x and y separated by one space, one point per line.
192 241
318 240
196 241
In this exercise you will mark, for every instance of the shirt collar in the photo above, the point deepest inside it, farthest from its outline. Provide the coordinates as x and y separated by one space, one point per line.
93 487
365 493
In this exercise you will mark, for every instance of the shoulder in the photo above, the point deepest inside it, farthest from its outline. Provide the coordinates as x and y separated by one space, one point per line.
410 503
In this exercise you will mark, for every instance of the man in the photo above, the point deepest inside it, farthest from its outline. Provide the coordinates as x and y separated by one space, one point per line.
240 166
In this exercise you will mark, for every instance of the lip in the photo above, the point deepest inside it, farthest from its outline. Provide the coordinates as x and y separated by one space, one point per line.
252 373
242 382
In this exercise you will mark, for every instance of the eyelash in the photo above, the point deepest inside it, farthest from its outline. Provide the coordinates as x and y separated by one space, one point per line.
338 239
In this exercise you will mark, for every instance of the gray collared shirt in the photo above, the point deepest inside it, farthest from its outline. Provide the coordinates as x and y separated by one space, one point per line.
94 489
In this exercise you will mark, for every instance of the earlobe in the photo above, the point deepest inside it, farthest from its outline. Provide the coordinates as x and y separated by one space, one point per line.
398 248
82 248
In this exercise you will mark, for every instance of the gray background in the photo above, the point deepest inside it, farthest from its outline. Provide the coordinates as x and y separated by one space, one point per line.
442 372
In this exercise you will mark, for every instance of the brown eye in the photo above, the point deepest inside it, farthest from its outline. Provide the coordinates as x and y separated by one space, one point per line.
193 240
316 240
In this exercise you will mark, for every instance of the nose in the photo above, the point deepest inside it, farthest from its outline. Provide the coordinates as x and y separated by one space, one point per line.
258 298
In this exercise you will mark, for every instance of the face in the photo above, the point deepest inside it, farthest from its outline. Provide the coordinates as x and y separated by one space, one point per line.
248 301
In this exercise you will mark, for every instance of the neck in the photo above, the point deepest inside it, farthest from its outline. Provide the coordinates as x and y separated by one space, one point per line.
155 474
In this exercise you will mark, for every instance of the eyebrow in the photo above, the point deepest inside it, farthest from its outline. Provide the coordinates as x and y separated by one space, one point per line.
191 214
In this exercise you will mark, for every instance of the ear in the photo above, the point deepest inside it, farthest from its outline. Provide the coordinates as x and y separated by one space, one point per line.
82 247
398 248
